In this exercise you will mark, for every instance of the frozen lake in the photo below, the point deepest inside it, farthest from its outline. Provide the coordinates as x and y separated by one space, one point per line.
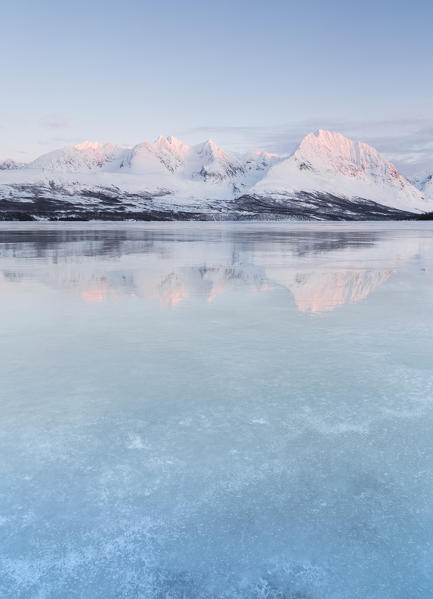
198 410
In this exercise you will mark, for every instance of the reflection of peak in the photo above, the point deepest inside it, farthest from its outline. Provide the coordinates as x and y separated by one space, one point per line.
172 289
95 292
208 282
231 278
314 291
323 291
321 267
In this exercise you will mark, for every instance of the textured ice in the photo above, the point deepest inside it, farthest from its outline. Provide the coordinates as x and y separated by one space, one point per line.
216 411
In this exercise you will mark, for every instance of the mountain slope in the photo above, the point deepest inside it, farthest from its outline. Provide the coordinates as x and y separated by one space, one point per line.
425 184
428 187
82 157
327 162
328 176
10 164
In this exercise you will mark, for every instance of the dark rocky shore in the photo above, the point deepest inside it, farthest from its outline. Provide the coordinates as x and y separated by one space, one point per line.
36 203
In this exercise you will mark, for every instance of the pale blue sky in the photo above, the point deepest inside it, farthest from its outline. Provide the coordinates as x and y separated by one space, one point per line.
256 73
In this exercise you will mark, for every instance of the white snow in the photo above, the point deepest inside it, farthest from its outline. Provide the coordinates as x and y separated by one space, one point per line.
325 162
428 188
328 162
10 164
425 183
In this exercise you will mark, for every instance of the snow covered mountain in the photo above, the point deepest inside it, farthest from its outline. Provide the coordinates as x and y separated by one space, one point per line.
424 183
328 162
82 157
168 155
328 176
9 164
428 187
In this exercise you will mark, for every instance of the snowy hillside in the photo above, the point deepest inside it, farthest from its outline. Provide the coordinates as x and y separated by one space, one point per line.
424 183
82 157
10 164
329 162
328 176
166 156
428 187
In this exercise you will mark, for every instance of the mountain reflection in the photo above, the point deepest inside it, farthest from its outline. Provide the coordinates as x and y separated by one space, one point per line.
321 267
322 292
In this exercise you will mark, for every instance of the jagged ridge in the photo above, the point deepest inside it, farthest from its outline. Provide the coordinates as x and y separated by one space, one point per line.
327 176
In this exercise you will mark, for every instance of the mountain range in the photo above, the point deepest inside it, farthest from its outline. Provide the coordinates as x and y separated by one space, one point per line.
327 177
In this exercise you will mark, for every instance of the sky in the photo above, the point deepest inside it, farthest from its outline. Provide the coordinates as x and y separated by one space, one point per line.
249 74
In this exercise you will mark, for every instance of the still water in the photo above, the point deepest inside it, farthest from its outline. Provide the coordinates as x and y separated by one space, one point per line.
216 411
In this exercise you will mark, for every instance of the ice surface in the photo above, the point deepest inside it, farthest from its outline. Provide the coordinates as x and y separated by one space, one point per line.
216 411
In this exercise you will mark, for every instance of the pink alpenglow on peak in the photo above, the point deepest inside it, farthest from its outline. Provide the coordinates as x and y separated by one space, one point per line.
81 157
328 176
327 162
88 145
10 164
209 148
334 152
170 151
208 162
170 143
324 291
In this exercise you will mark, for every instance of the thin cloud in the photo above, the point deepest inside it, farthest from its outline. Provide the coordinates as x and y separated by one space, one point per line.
54 122
406 142
64 141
